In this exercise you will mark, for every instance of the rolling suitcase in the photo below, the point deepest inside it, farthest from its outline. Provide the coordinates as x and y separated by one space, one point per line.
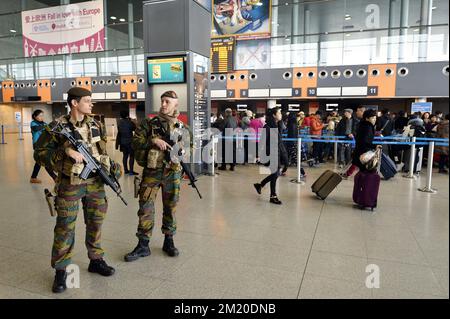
365 190
326 183
387 168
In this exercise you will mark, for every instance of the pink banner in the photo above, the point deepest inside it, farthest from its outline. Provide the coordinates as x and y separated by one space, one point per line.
94 43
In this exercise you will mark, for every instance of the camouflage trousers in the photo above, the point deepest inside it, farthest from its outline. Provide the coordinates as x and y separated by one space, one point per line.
169 181
94 202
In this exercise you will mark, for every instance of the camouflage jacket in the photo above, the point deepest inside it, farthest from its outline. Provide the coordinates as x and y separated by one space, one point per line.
50 149
146 150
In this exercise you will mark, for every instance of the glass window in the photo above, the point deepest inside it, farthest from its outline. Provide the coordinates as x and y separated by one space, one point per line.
116 10
138 35
364 48
366 14
59 66
305 51
440 12
22 70
35 4
282 17
108 64
323 17
117 36
44 68
331 49
125 64
438 44
280 54
74 67
90 66
11 24
11 47
9 6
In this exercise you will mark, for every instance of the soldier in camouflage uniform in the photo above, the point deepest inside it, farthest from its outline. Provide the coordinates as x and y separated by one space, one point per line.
160 171
54 151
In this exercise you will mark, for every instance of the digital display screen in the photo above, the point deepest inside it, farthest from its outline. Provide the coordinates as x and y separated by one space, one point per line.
222 53
166 70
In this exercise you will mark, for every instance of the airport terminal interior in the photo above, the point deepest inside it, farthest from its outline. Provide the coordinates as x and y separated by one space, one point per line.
315 71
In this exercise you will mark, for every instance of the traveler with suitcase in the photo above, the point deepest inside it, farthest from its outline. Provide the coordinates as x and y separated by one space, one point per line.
367 181
416 129
272 125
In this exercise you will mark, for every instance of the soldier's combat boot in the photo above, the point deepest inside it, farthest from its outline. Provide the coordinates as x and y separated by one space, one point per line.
141 250
59 285
99 266
169 247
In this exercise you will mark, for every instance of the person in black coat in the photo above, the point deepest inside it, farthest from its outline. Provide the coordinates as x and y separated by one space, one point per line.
401 122
272 125
126 127
292 132
384 124
364 137
346 127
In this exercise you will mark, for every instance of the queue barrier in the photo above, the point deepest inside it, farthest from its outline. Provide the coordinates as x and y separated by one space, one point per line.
432 142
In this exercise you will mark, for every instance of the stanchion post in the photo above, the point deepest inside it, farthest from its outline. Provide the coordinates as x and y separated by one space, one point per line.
298 180
20 132
113 132
336 152
412 158
3 135
214 154
428 188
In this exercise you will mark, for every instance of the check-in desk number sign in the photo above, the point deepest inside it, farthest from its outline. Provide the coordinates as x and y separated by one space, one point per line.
312 91
372 91
296 92
230 94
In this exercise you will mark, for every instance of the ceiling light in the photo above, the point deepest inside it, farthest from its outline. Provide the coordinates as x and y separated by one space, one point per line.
122 20
113 18
13 31
433 8
416 30
348 17
347 34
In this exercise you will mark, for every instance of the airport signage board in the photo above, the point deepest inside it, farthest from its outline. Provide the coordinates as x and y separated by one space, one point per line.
422 107
73 28
241 17
222 55
18 116
166 70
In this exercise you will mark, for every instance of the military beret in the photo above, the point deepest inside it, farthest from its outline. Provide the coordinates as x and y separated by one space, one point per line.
79 92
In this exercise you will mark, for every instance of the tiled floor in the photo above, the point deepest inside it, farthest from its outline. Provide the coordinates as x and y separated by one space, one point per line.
233 243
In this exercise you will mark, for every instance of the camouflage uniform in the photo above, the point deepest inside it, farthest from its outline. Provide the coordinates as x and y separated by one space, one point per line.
162 173
51 151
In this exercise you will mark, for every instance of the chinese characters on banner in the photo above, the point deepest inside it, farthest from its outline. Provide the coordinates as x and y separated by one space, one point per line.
73 28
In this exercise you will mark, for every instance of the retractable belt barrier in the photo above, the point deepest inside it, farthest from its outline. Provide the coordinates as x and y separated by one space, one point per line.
378 140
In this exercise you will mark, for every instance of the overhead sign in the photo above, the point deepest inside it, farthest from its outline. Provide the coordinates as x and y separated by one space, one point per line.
18 116
166 70
222 54
72 28
293 107
422 107
332 106
242 107
236 17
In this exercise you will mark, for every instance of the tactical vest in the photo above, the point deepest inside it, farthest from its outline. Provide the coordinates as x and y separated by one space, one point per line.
90 134
154 157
